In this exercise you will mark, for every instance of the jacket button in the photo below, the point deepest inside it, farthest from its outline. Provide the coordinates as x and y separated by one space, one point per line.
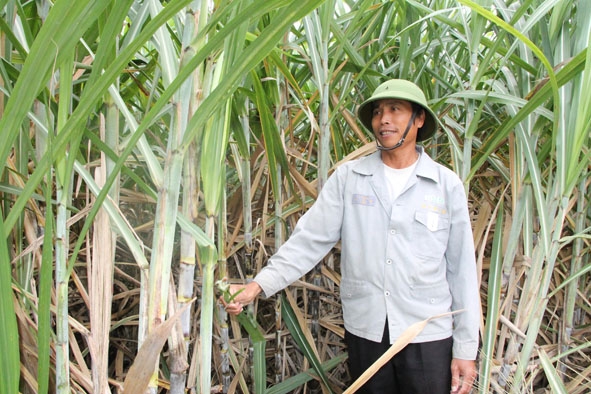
388 261
387 293
392 232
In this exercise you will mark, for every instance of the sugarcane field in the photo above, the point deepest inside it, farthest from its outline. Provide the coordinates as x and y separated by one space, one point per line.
159 153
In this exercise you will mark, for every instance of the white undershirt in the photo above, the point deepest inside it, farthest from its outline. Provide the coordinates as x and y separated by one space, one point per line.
397 178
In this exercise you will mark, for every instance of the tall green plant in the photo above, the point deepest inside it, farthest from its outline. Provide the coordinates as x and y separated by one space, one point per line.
9 344
188 251
63 181
493 303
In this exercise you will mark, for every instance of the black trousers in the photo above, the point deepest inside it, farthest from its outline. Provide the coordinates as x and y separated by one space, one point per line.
419 368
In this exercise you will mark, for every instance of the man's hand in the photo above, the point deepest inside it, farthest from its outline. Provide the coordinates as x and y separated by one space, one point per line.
463 373
244 295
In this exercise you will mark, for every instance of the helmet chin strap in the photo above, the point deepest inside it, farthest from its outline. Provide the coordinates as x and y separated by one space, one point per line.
399 143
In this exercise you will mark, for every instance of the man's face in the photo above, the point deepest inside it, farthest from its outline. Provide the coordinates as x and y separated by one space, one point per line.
389 120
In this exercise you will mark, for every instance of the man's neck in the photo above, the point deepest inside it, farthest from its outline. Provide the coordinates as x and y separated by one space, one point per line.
402 157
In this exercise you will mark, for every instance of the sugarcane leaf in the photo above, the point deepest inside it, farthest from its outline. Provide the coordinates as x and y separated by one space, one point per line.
536 100
295 328
556 383
257 50
213 148
260 369
82 113
271 136
293 382
9 339
53 41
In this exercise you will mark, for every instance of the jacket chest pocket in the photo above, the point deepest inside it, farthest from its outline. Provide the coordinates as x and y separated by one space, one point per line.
430 232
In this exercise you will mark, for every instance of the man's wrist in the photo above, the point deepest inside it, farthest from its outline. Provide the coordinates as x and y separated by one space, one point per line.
253 289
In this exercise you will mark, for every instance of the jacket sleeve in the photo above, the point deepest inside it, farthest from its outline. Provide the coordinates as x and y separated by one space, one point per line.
462 278
317 231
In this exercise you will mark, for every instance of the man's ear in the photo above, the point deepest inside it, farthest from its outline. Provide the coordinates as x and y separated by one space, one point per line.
420 118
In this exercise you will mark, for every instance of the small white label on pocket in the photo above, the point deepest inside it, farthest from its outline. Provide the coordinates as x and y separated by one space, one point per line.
432 221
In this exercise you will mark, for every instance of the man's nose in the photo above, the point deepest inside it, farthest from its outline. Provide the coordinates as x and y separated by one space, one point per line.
386 117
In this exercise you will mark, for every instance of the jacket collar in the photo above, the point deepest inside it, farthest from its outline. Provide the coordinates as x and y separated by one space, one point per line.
426 167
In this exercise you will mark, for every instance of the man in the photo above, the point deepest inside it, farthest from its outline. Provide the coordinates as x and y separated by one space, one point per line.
407 252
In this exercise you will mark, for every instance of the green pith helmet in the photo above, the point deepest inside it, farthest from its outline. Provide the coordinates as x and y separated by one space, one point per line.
403 90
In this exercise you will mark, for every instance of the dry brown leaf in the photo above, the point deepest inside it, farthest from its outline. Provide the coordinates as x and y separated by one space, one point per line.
407 336
140 373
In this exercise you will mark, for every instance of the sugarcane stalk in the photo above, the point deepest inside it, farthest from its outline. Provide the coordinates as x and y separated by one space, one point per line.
188 251
282 117
187 265
494 295
62 276
577 262
163 241
168 195
222 272
101 295
214 144
208 263
317 25
164 230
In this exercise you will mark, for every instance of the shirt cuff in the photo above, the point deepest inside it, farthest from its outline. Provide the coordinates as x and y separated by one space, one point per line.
266 285
465 350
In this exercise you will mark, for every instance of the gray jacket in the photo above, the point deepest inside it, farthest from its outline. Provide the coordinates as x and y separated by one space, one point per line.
404 260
